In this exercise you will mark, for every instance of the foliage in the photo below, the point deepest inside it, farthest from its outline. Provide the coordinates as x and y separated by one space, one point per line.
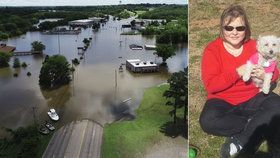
75 61
177 94
4 59
38 46
124 14
86 41
15 21
167 12
95 26
54 72
16 63
165 51
174 32
24 143
24 65
133 23
150 30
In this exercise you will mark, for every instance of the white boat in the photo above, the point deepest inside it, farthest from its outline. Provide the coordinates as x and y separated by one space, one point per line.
53 115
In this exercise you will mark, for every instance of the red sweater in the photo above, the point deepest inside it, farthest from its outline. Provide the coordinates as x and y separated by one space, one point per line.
219 74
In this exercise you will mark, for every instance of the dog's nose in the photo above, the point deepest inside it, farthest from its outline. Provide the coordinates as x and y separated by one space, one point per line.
271 51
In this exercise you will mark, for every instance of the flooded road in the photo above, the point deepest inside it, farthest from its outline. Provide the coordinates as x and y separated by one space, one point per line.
97 90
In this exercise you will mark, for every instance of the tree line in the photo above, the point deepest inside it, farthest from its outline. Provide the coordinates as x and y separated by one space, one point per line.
15 21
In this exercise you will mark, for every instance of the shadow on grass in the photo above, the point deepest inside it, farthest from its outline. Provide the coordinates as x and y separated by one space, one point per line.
174 130
259 154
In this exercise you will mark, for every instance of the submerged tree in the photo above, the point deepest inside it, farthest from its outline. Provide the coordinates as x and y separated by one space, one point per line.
165 51
38 46
16 63
54 72
177 93
4 59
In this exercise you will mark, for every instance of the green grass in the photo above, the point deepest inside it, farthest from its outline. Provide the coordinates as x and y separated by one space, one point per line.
201 11
139 12
129 138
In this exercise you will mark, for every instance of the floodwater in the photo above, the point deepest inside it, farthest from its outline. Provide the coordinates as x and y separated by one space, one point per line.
97 91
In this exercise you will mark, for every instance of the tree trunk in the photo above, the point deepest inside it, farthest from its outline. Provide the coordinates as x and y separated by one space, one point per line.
175 110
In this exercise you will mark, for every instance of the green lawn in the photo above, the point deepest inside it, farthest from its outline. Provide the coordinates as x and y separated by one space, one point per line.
129 138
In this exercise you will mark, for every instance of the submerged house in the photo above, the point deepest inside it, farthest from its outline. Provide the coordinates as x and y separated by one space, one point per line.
6 49
136 65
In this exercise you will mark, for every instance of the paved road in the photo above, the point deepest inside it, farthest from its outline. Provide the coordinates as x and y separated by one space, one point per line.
79 139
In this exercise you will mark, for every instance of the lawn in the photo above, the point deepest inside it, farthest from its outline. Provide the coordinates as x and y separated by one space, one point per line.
130 138
204 27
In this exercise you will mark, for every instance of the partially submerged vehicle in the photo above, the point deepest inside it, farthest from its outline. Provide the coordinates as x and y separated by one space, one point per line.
135 47
43 130
49 126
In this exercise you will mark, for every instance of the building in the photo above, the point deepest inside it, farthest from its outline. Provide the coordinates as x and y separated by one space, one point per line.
6 49
136 65
82 22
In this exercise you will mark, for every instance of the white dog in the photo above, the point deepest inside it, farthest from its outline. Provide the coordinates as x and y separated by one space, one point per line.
268 47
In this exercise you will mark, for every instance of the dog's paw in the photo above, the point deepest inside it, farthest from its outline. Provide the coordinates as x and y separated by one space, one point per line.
265 90
246 77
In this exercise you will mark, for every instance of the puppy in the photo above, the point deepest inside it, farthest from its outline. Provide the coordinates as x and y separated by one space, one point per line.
268 47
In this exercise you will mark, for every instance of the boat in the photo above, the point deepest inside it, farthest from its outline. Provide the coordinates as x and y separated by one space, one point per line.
43 130
135 47
49 126
53 115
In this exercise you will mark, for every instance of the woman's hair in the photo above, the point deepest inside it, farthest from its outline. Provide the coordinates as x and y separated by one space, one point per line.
231 13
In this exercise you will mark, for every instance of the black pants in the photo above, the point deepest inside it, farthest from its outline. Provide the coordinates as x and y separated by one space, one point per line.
249 122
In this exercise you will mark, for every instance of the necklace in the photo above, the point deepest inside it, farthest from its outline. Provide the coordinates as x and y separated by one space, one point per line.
233 51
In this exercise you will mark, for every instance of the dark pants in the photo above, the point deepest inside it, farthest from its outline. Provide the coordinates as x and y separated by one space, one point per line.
250 122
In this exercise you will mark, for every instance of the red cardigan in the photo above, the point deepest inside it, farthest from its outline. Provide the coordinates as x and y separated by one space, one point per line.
219 74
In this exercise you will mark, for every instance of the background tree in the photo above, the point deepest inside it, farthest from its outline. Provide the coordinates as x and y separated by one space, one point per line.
4 59
38 46
16 63
54 72
177 93
164 51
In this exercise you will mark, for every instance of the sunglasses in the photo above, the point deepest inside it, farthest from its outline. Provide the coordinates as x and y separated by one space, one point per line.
238 28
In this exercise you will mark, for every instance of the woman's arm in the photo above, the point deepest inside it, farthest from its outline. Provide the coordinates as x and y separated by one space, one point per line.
213 77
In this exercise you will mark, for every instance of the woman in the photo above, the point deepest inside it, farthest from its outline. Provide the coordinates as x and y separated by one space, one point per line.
235 109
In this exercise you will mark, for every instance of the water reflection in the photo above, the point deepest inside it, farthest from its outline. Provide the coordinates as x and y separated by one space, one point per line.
93 92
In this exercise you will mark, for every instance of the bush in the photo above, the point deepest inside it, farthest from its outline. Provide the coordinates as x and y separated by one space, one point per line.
24 65
16 63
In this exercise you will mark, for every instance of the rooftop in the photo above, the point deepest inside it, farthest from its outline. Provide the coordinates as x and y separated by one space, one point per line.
139 63
6 49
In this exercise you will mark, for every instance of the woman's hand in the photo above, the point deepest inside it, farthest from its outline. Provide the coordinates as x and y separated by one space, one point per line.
241 70
258 72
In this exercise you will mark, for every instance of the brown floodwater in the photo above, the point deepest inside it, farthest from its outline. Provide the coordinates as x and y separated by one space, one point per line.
97 90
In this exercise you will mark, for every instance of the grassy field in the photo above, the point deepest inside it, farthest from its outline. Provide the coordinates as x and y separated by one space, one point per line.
203 27
129 139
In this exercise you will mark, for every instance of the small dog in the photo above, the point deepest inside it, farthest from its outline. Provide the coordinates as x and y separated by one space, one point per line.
268 47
